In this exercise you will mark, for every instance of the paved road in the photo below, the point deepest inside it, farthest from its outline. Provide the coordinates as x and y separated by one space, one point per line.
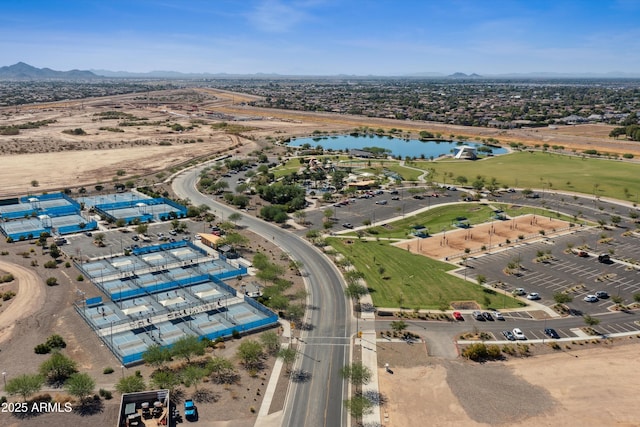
325 347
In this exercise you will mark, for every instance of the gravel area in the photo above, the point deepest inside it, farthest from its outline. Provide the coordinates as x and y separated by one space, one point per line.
490 393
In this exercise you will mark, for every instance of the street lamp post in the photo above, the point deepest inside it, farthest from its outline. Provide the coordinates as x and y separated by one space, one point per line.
4 379
122 368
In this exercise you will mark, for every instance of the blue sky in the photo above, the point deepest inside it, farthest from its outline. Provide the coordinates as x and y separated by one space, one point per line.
324 37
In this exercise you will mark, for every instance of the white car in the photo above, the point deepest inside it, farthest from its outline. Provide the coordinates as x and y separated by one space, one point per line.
533 296
591 298
498 315
519 291
518 334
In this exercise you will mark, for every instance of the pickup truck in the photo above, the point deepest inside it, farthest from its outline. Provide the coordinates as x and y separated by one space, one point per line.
190 410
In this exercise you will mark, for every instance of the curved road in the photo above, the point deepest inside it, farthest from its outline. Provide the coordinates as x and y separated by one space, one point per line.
324 349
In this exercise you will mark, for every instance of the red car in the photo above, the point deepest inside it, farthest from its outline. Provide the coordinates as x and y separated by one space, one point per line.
457 315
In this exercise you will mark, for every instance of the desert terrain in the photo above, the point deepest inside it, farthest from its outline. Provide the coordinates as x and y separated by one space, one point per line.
569 387
564 388
152 146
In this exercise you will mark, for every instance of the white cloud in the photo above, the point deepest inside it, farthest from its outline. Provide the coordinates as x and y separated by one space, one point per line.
274 16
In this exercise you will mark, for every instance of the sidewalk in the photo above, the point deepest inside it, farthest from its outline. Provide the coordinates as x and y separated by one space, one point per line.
275 419
369 358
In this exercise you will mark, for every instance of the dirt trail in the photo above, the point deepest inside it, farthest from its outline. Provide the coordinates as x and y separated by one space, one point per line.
29 298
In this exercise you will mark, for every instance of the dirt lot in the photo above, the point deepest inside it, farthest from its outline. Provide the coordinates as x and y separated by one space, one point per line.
453 243
570 387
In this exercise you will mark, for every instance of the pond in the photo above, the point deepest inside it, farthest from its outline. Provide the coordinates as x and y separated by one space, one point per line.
395 147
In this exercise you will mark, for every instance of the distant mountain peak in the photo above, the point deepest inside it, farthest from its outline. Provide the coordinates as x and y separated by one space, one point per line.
24 71
464 76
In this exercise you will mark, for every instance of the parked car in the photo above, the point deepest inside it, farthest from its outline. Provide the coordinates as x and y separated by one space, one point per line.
135 238
604 258
602 295
477 315
395 198
487 316
498 315
518 334
381 202
533 296
508 335
591 298
551 333
583 254
457 315
190 410
347 225
519 291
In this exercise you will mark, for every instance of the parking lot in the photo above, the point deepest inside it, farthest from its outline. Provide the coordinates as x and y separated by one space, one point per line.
567 272
564 272
116 241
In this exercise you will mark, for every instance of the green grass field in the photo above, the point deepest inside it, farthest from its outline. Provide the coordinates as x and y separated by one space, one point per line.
443 218
397 278
608 178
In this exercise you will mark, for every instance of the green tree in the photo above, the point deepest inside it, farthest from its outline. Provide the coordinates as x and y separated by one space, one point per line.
58 368
235 217
54 251
288 356
156 355
235 240
356 373
142 228
192 375
165 379
562 298
271 342
591 321
358 406
25 385
250 354
222 370
80 386
187 347
131 384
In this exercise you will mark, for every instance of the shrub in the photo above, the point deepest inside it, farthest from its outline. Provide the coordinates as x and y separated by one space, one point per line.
56 341
80 278
108 370
235 334
42 349
480 352
50 264
52 281
106 394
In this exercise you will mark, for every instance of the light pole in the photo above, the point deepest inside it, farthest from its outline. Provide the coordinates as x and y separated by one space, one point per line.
4 379
122 368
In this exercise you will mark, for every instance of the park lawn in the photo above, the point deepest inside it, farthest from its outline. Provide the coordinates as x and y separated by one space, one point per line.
550 171
407 174
412 281
291 165
435 220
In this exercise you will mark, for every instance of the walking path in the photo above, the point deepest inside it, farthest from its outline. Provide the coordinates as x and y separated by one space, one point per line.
275 419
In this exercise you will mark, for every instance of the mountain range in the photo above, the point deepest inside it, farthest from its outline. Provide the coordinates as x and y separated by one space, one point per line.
22 71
